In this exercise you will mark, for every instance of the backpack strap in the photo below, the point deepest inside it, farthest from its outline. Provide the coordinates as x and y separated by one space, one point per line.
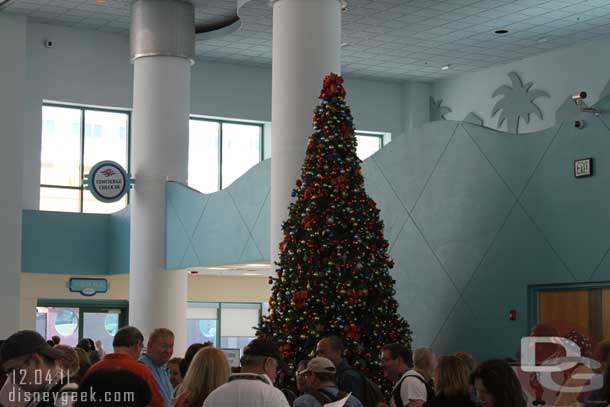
396 392
323 397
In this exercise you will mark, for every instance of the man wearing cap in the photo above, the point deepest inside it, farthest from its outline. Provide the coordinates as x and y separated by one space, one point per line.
31 364
253 386
320 385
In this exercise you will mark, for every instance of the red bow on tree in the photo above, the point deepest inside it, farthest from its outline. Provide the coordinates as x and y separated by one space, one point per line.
332 85
299 299
307 221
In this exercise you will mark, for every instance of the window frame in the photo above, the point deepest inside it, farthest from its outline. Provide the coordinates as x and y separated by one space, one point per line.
83 109
219 306
220 123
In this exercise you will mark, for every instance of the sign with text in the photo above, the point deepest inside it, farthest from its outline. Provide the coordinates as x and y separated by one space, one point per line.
233 356
108 181
88 286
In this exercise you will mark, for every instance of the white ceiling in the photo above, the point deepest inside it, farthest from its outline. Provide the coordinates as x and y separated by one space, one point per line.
388 39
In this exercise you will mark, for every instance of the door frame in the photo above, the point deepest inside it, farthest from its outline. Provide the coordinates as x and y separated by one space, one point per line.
88 306
534 289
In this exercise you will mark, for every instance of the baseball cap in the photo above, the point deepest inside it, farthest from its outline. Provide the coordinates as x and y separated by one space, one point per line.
320 365
264 347
24 343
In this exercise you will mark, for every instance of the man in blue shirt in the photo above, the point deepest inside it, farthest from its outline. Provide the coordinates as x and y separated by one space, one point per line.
159 351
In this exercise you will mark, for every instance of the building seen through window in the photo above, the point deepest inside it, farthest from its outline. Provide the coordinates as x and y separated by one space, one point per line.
74 139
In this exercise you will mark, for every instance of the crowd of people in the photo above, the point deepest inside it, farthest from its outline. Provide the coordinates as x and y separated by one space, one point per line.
39 373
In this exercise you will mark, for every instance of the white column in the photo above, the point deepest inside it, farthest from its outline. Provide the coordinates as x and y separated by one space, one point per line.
306 48
162 52
12 89
417 105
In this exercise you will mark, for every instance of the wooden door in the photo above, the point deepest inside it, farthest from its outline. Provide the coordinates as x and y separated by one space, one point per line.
570 306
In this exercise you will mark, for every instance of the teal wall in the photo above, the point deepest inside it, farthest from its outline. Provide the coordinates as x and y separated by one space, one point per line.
229 226
75 243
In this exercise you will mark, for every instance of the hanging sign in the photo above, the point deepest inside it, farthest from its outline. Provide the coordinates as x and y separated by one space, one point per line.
108 181
88 286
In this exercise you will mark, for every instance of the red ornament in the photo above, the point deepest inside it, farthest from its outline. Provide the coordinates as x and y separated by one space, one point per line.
352 331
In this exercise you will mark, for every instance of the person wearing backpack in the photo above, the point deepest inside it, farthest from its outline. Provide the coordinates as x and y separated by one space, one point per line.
413 386
349 379
320 387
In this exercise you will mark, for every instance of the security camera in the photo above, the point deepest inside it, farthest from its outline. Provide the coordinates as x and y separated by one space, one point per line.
579 124
344 6
49 43
579 97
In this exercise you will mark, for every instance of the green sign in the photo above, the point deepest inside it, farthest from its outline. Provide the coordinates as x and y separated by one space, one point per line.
88 286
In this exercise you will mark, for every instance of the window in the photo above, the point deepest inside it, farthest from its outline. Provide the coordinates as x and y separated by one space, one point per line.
73 140
221 151
368 144
232 325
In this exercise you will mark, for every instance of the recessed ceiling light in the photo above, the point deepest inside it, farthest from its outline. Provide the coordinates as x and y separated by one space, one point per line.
502 31
541 40
445 67
344 44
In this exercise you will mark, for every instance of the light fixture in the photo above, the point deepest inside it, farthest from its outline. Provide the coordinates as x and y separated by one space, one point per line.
445 67
218 268
252 274
344 44
256 265
541 40
344 6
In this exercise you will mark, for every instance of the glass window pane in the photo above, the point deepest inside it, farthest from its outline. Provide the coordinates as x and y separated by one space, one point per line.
105 138
92 205
59 199
367 146
63 322
101 326
239 320
203 155
60 146
41 321
241 150
201 331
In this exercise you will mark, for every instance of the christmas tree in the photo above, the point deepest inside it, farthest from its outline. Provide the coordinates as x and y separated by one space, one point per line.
333 269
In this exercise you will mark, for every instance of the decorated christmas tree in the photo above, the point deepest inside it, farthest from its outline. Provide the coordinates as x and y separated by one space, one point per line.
333 269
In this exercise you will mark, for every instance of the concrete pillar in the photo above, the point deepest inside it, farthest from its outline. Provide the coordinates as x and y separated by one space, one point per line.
162 51
12 102
306 48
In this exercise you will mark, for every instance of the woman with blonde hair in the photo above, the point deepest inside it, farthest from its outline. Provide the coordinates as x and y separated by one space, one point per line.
452 383
208 370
